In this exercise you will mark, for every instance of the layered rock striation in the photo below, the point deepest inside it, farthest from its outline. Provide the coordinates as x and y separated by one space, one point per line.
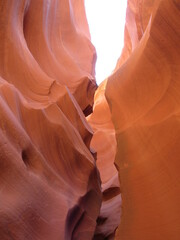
104 143
58 179
143 95
49 183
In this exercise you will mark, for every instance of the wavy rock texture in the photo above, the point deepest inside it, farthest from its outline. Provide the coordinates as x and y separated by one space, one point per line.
104 143
50 187
49 183
144 98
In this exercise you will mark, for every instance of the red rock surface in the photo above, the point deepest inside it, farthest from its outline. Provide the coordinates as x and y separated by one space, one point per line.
143 95
50 187
104 143
49 184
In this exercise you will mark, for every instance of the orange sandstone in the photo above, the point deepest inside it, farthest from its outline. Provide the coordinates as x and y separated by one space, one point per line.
104 143
50 185
143 94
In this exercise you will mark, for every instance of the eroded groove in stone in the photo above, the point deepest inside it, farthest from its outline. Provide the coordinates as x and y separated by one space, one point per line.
46 81
58 178
143 94
104 143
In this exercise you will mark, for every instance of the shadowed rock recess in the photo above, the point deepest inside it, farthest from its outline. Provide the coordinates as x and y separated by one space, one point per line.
67 173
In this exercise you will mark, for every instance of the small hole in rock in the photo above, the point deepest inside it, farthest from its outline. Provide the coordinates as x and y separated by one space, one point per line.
25 157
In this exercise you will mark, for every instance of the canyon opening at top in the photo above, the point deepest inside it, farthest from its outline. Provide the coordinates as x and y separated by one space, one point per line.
65 173
106 19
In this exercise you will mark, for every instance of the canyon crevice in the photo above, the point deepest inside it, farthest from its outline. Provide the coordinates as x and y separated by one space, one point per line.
78 161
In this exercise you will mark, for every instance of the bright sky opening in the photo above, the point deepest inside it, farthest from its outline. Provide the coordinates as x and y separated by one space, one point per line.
106 19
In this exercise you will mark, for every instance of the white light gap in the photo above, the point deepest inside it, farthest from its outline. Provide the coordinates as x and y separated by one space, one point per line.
106 19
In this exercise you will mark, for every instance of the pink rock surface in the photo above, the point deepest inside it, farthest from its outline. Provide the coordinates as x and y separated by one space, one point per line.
104 143
50 186
143 94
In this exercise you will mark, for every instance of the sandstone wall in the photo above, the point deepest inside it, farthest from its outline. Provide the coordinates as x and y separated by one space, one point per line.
143 95
49 183
55 183
104 143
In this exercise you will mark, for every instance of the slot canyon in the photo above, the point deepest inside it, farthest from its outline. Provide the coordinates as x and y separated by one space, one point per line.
80 161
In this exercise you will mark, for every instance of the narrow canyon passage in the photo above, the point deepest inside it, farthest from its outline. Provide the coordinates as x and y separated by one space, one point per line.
61 136
104 143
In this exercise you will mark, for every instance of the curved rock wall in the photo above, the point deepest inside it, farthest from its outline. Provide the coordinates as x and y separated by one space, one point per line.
49 183
50 187
143 95
104 143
